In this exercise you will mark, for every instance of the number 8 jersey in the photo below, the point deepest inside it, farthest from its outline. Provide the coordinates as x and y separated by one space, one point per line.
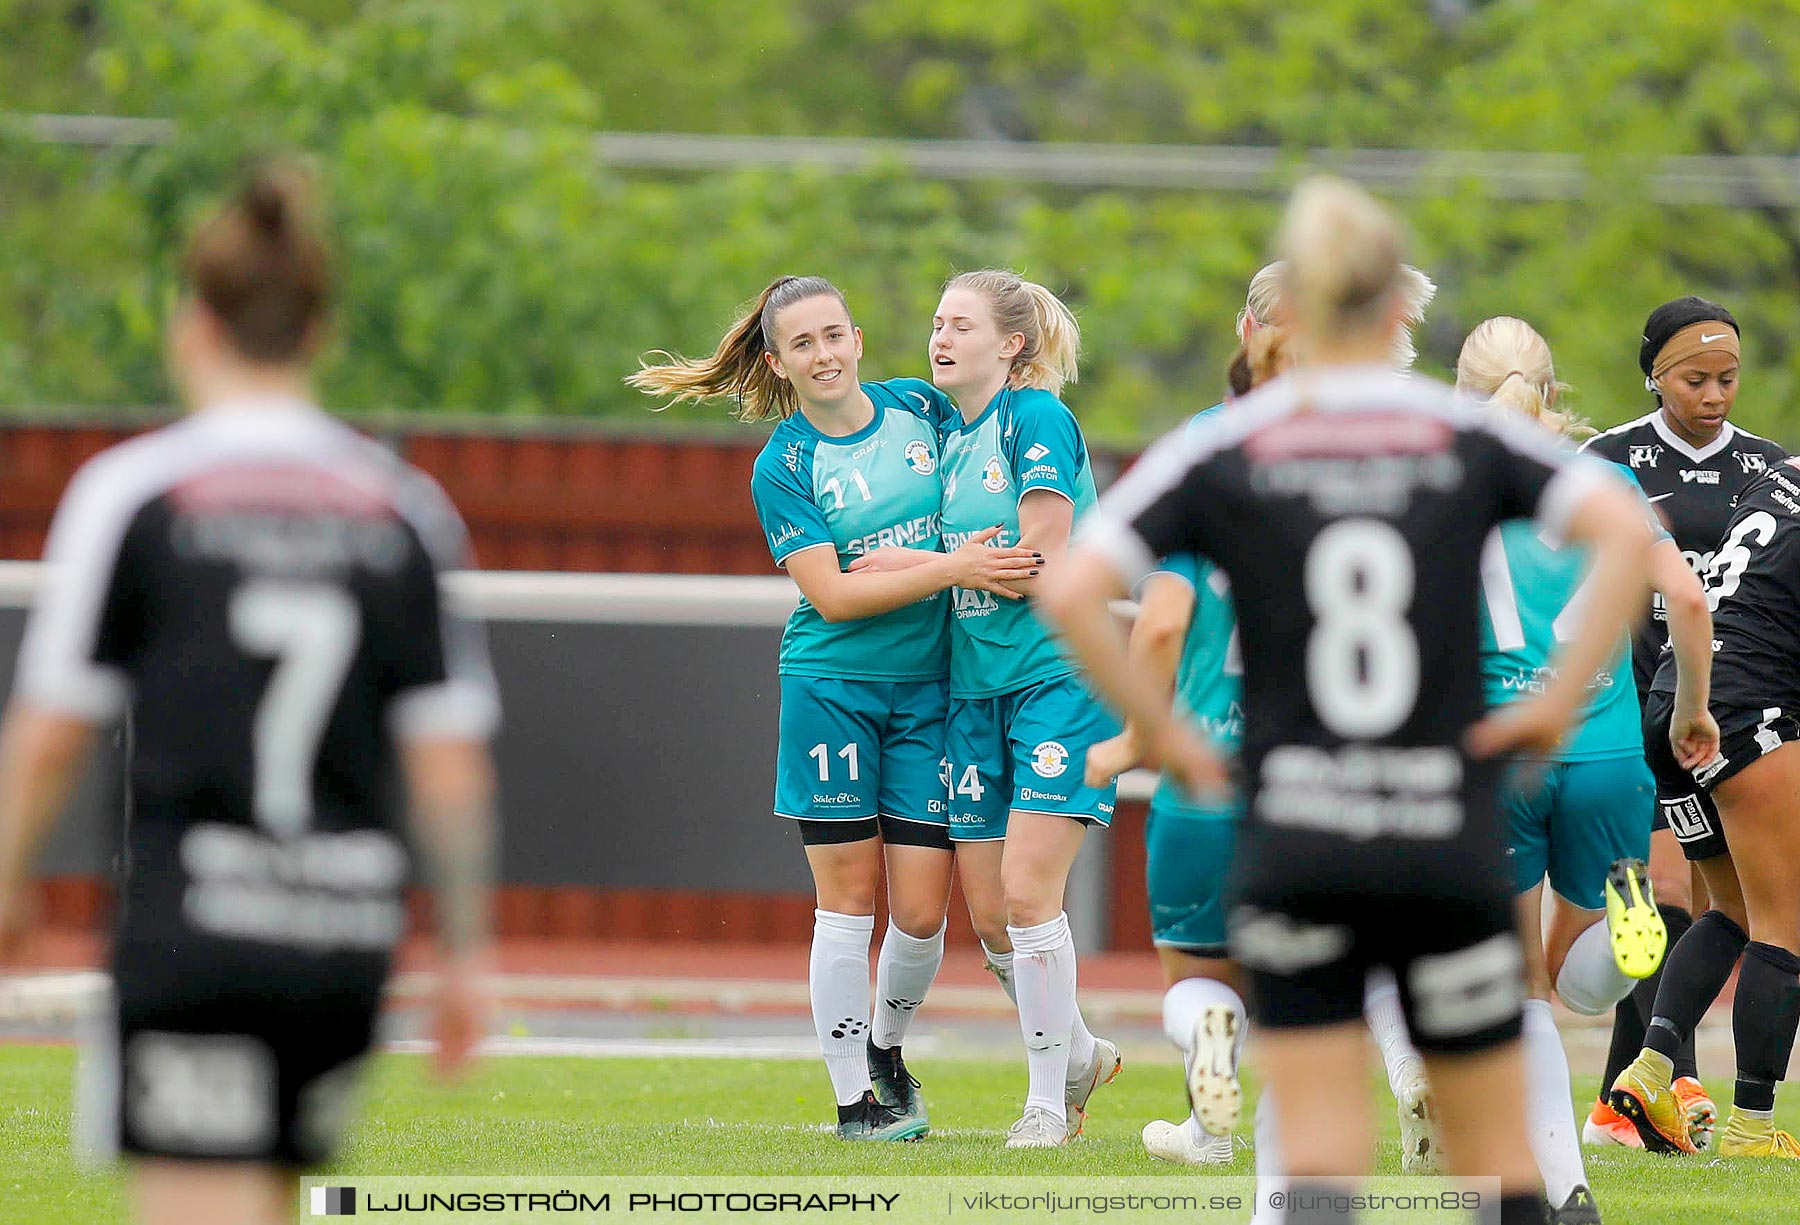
1348 509
261 586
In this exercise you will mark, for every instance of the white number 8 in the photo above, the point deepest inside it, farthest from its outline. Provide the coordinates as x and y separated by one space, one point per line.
1362 660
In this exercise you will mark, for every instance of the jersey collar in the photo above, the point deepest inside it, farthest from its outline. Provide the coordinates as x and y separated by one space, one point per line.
1727 432
845 440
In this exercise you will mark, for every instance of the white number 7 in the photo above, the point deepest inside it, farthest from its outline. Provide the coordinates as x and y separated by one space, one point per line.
311 631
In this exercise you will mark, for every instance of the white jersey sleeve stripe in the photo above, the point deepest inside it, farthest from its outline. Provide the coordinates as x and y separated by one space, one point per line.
57 668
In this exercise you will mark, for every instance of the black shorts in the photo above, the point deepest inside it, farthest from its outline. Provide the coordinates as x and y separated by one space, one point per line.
892 830
1455 955
1684 799
222 1050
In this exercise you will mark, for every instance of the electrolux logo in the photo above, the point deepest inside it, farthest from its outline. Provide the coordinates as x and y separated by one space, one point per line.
334 1201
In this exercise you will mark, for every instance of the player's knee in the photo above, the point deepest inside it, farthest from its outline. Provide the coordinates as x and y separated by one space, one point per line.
920 920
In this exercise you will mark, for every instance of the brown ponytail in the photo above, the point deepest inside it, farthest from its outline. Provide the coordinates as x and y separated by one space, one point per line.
737 367
259 264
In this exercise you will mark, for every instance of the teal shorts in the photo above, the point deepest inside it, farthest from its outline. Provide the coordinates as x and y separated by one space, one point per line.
1026 751
851 750
1570 820
1188 854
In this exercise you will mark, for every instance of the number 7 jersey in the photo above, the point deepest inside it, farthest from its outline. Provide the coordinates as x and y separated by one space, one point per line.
260 586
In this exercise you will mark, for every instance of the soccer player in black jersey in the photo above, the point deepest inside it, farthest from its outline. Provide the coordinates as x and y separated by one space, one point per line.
1751 866
262 589
1348 504
1692 462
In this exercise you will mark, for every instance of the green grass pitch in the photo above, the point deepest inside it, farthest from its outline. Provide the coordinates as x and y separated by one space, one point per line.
730 1117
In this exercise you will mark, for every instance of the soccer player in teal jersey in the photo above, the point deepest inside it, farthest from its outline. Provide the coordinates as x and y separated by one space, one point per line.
852 467
1582 815
1021 720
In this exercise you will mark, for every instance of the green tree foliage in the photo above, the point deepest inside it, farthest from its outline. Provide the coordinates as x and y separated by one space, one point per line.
492 263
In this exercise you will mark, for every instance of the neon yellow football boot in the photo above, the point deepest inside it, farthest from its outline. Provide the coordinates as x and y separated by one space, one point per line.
1639 936
1748 1136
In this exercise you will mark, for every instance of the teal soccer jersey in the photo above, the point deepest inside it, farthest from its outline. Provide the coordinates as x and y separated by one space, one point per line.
1024 440
881 486
1209 681
1531 603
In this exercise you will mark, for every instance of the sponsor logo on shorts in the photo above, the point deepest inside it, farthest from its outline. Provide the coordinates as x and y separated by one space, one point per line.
842 797
1686 818
918 454
1279 944
1049 759
1026 794
1706 773
993 475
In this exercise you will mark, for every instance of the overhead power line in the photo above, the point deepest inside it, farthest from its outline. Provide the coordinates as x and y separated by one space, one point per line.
1739 182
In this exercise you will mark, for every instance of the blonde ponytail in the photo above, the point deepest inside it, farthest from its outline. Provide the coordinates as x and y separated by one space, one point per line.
737 367
1505 360
1341 263
1048 359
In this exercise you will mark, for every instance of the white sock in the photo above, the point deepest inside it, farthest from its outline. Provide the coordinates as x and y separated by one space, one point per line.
1549 1105
1187 999
1590 981
1002 966
839 979
903 975
1081 1039
1381 1007
1044 966
1270 1176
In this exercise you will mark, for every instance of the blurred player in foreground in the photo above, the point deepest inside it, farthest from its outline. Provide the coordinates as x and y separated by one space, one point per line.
1347 505
261 588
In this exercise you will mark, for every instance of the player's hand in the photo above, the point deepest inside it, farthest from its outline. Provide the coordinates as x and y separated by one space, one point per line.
459 1013
1190 760
1535 726
1694 738
981 568
1111 758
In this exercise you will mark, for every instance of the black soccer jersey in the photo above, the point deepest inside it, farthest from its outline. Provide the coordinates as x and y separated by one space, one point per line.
1693 489
261 586
1753 586
1348 508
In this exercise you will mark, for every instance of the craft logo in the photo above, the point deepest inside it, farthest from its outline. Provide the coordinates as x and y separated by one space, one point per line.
993 475
1645 457
1049 759
334 1201
918 454
1752 461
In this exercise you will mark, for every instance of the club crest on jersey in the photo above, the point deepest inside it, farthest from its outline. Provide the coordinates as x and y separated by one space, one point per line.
993 475
1752 461
918 454
1645 456
1049 759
